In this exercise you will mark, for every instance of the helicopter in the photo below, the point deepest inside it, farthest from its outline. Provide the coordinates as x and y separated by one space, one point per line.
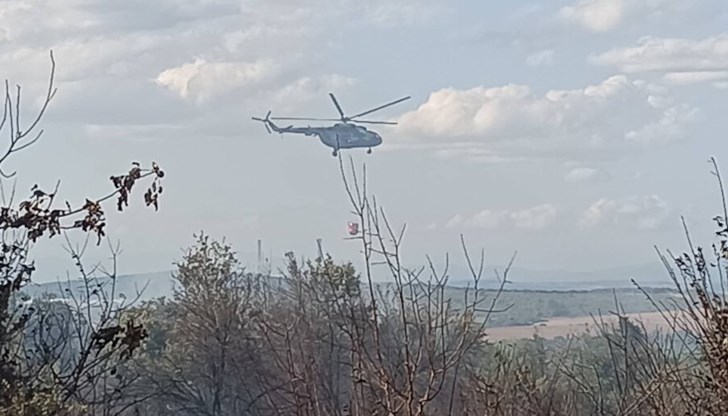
342 135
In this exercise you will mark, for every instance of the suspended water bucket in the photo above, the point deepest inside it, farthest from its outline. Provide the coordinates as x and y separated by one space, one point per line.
353 228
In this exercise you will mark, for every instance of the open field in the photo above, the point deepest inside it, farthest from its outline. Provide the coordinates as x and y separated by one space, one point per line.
562 327
527 308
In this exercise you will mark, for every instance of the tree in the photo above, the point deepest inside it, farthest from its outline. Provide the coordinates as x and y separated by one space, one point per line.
203 362
29 385
306 328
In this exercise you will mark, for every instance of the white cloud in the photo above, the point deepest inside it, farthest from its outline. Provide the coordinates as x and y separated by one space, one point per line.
42 22
595 15
506 109
487 219
466 153
514 121
640 212
670 127
227 52
308 88
384 13
533 218
80 59
125 131
541 58
601 16
456 221
140 40
201 81
403 12
586 174
682 61
685 78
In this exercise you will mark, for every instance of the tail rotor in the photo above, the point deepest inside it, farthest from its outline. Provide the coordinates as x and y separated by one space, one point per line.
265 121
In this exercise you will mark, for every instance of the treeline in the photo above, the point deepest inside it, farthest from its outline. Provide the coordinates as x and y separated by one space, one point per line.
319 343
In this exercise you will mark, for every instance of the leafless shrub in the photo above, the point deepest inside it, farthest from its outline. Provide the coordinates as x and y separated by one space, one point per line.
701 319
22 224
82 340
407 340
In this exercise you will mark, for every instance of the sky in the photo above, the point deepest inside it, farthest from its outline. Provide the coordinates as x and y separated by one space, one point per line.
575 132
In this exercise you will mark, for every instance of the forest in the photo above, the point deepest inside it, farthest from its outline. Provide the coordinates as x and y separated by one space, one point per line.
325 339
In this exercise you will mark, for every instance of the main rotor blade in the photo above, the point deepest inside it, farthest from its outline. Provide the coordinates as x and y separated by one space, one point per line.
304 118
338 107
380 107
391 123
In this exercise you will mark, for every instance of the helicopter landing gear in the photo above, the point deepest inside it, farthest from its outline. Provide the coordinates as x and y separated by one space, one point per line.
334 153
369 151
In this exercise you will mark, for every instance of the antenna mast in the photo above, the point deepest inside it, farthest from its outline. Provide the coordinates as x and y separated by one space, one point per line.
260 256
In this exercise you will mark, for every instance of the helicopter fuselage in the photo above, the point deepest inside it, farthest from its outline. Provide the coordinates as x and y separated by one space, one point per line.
338 136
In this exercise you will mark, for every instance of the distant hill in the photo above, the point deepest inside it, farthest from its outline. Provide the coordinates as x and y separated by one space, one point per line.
149 285
160 284
649 275
528 301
